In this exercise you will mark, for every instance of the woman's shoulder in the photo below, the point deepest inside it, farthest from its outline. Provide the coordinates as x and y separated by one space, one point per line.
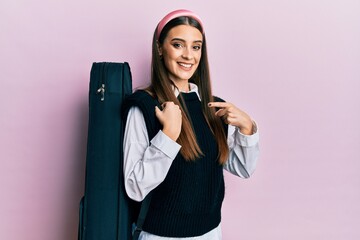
140 98
140 94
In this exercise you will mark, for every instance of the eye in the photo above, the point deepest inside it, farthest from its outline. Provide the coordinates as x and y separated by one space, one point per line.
177 45
197 48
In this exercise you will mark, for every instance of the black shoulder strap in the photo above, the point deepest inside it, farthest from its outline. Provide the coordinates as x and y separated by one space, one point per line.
142 216
146 103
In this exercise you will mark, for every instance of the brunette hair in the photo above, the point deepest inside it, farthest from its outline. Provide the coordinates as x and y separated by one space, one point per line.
162 88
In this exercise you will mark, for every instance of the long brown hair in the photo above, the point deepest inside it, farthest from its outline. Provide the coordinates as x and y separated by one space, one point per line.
162 87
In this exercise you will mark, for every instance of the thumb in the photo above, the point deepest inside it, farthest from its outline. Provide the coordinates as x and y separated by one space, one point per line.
158 112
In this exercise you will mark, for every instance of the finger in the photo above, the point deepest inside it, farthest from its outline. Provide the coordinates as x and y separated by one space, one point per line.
225 119
157 111
231 120
166 104
218 104
220 112
231 115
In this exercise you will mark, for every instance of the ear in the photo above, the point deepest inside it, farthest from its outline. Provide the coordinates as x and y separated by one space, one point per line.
159 48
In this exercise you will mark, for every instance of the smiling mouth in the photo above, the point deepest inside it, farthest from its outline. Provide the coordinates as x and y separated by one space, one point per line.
186 65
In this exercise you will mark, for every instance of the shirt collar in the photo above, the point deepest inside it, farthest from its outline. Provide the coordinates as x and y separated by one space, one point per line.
193 88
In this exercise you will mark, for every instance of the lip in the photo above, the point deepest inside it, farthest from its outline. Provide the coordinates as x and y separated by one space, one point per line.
185 66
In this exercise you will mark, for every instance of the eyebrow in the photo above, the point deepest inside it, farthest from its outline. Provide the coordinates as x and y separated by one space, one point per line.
182 40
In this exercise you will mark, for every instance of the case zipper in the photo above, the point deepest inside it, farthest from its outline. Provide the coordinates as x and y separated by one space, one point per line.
101 90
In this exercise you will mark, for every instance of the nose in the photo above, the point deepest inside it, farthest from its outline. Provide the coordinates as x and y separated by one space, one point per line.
187 54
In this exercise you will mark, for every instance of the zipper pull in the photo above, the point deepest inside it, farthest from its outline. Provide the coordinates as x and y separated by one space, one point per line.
101 90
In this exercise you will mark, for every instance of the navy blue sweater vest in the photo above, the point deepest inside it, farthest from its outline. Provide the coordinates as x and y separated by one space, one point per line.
188 202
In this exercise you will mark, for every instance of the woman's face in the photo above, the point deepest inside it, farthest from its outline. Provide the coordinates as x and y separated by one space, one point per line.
181 51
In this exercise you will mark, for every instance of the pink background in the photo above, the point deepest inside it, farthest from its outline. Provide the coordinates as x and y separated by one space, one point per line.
294 66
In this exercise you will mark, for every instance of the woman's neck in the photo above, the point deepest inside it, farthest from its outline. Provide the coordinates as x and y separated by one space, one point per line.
182 86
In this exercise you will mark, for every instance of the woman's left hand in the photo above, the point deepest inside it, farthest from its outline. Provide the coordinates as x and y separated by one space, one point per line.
233 116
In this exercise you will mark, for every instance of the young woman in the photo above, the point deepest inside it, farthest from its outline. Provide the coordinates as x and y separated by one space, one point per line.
179 137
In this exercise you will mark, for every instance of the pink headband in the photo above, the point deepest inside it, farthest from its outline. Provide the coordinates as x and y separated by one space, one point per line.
176 14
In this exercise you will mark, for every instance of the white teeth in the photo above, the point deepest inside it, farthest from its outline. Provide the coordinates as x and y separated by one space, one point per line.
185 65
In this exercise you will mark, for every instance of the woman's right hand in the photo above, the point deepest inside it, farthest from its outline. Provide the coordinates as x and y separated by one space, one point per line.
170 118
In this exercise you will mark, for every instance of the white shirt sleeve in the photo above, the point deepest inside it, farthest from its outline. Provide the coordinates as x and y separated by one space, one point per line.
243 152
145 164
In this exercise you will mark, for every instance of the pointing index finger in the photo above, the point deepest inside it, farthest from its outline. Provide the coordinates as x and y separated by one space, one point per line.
218 104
